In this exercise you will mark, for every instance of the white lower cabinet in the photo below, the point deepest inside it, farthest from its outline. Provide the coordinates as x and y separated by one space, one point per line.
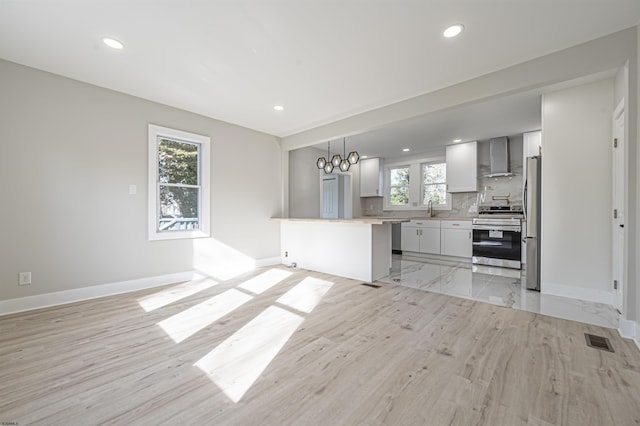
410 238
456 238
422 236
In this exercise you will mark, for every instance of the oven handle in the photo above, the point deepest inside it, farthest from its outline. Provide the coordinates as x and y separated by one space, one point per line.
505 228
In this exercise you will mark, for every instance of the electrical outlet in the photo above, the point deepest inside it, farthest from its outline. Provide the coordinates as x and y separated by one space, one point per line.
25 278
286 254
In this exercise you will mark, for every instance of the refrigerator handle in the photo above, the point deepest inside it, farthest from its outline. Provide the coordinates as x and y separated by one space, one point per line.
524 198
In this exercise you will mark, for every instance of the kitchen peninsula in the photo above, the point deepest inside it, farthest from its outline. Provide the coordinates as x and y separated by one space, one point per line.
353 248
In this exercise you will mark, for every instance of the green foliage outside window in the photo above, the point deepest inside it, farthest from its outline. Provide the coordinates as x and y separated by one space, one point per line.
399 186
178 177
434 184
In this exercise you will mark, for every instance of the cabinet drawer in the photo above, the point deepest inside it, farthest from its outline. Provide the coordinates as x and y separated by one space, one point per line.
428 223
455 224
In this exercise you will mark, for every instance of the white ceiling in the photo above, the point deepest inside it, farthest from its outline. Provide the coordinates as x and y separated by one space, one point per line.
234 60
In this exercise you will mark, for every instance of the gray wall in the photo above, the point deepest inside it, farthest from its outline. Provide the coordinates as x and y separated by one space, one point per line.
69 150
304 182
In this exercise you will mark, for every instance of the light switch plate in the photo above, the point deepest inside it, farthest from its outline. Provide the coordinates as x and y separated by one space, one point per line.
133 189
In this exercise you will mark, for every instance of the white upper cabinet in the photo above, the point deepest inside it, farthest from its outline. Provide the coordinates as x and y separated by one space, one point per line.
462 169
371 177
531 144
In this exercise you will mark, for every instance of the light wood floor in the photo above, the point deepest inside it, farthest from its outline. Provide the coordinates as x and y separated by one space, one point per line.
392 355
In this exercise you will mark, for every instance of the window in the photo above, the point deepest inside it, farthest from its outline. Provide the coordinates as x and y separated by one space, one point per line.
434 184
178 184
399 186
411 186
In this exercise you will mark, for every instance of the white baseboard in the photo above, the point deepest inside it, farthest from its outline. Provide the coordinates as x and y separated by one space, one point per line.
269 261
581 293
630 330
46 300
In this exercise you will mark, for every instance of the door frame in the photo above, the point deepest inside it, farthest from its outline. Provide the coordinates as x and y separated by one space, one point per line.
619 232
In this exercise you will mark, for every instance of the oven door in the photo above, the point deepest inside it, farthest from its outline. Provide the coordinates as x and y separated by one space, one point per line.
497 245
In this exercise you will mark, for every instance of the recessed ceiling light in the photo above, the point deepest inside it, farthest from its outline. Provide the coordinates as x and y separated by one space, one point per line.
278 107
113 43
457 140
453 30
406 150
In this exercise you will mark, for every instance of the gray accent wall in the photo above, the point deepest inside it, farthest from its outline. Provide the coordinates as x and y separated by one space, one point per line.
69 152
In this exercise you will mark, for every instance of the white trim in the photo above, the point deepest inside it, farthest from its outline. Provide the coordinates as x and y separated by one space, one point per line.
46 300
268 261
629 330
204 143
626 328
580 293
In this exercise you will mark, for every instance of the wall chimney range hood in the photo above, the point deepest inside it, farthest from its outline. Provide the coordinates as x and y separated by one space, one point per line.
499 149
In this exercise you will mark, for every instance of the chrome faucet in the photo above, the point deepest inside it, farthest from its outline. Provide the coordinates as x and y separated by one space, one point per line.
430 209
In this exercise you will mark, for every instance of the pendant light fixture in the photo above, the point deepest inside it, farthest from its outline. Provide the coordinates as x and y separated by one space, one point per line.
336 160
353 157
322 161
326 165
344 164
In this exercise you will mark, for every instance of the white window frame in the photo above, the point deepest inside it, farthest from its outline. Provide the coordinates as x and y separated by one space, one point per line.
204 203
416 180
447 203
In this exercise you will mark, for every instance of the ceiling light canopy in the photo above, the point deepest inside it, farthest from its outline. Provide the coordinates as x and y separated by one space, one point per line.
113 43
453 30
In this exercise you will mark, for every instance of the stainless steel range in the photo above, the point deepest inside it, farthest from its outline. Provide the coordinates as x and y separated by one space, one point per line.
497 236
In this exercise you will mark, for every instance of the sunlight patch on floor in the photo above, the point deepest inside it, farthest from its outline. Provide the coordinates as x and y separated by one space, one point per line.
236 363
263 282
186 323
174 293
305 295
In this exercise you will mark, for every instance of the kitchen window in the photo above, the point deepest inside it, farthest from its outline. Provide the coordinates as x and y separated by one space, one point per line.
434 184
411 186
399 186
178 184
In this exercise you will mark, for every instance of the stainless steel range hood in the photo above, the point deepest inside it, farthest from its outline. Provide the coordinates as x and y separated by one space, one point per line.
499 149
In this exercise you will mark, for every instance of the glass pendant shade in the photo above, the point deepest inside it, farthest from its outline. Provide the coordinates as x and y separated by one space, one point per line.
336 160
328 168
353 157
344 165
321 162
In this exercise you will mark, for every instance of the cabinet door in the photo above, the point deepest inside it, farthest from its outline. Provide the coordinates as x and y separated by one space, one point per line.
370 177
462 169
456 242
531 144
430 240
410 239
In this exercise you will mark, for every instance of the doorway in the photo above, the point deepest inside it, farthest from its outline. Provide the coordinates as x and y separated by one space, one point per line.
335 196
618 191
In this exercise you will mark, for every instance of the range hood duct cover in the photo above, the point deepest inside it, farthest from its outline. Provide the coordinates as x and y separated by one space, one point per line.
499 149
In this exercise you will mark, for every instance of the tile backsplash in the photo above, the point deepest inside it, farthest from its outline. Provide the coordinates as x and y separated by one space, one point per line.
461 202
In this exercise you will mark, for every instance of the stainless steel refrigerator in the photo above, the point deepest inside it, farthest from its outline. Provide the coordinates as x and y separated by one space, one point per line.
532 199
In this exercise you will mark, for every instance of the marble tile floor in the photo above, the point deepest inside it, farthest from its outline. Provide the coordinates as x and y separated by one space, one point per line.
498 286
